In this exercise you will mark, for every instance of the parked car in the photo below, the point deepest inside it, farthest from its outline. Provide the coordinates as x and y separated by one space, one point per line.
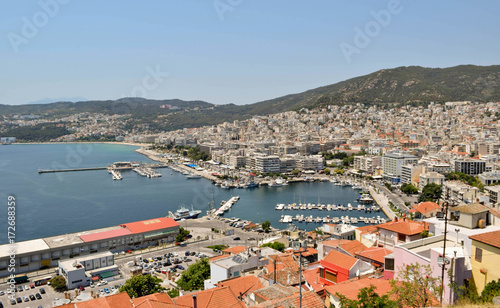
32 286
180 267
20 289
42 290
187 253
19 300
173 269
112 289
32 297
38 296
106 290
81 288
12 301
236 238
26 299
193 253
2 293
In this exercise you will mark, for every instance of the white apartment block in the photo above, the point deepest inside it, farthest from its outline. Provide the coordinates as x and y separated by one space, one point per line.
392 164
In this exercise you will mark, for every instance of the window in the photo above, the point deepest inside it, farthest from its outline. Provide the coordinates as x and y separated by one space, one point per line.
389 264
479 254
331 276
401 237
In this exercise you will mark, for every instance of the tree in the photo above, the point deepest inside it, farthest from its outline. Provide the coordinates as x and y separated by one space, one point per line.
58 282
276 246
194 276
415 286
367 298
141 285
173 293
266 225
181 237
409 189
430 192
327 171
491 290
295 172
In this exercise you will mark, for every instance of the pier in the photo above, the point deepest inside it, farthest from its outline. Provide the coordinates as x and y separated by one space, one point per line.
161 165
69 170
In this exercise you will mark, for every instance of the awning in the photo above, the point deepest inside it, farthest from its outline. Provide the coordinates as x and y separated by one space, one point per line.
107 274
95 278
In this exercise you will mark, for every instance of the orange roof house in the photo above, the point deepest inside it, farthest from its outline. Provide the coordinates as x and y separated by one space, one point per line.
350 289
211 298
399 231
337 267
242 286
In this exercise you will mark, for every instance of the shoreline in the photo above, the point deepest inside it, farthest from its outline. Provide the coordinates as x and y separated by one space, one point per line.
84 142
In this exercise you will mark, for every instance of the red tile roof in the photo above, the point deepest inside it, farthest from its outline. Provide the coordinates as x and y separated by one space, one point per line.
212 298
105 235
162 297
235 250
407 227
219 257
375 253
425 207
490 238
312 277
334 243
340 259
309 300
120 300
367 229
350 289
352 247
151 225
242 285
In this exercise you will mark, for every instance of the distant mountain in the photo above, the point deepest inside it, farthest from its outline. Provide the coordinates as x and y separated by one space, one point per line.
398 85
55 100
402 85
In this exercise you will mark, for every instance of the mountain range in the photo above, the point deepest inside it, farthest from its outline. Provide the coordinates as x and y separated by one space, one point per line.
401 85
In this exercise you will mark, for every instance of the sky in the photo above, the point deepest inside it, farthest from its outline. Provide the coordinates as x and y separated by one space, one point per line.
228 51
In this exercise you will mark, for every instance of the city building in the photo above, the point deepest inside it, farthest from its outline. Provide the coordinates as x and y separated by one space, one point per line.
470 216
470 166
337 267
46 252
267 164
431 177
485 258
493 195
392 164
429 251
350 289
489 178
425 209
398 232
366 163
81 271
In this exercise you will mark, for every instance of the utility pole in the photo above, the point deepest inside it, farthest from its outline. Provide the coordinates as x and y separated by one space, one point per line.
445 206
300 274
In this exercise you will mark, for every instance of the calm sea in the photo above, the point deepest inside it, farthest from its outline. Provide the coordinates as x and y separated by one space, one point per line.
57 203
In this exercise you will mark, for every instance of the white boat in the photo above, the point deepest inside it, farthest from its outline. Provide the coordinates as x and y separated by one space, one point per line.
184 213
193 176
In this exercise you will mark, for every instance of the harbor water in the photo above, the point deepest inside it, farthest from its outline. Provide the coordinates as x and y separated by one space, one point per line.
57 203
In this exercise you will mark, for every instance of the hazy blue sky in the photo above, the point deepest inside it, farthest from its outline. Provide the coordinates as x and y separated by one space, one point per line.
228 51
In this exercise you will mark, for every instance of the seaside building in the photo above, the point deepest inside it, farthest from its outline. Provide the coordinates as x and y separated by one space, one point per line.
393 163
46 252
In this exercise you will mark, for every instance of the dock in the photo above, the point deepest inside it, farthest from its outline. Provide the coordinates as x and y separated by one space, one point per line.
69 170
160 165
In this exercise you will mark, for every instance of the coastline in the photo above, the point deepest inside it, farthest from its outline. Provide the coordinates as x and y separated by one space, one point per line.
83 142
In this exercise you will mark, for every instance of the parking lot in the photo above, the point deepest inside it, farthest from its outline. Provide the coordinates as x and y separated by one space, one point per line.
158 261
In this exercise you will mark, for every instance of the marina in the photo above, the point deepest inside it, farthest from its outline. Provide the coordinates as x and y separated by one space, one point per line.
115 201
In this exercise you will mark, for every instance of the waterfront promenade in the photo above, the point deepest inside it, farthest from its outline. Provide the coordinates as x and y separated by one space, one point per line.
383 202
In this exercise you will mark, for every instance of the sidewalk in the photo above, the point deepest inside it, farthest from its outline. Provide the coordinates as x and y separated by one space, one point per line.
383 202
